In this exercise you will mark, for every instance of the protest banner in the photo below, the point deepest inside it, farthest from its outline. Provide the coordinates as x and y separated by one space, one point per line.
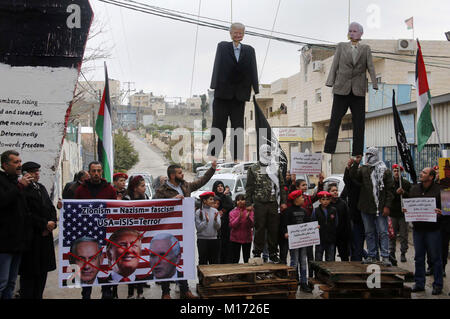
445 201
303 235
109 241
444 172
306 163
420 209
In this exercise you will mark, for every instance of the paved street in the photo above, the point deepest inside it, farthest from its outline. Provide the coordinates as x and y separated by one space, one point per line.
151 161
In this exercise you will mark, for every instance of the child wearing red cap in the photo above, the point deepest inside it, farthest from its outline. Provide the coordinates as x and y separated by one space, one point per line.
207 223
295 215
241 234
326 217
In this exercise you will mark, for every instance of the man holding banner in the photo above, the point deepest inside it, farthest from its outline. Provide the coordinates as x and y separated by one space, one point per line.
427 235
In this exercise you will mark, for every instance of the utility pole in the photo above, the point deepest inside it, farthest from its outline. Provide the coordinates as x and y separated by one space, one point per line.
128 92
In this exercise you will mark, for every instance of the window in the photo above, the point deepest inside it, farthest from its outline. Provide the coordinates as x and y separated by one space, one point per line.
251 115
318 95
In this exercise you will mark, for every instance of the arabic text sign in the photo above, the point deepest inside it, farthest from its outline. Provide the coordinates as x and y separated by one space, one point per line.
303 235
306 163
421 209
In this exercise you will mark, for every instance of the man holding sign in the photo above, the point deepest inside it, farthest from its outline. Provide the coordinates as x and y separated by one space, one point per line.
426 235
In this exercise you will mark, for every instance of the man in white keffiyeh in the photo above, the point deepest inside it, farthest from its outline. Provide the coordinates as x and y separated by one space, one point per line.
374 201
265 194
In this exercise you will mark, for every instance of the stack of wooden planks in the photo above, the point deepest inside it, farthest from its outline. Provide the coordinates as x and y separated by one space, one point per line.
246 281
352 279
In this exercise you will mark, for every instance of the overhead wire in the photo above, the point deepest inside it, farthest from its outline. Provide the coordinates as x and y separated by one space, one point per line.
167 14
195 50
268 43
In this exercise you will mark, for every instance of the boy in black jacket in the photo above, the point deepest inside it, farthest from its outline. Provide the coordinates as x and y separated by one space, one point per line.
326 217
294 215
343 227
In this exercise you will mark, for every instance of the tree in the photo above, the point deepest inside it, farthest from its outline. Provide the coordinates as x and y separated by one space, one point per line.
125 155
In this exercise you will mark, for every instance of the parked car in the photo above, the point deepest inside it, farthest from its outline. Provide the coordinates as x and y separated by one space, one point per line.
241 168
225 167
235 182
148 183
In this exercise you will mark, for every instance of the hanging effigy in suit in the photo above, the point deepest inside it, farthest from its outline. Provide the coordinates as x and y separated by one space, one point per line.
348 78
233 77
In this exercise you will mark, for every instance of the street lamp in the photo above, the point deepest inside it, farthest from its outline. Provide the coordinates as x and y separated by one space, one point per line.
447 34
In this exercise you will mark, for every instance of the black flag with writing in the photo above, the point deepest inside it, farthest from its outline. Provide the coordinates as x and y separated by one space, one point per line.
402 143
264 135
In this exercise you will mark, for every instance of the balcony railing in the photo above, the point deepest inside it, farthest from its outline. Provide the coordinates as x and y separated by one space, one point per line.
382 98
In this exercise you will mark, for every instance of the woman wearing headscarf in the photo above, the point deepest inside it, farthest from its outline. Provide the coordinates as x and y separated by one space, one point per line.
136 191
226 205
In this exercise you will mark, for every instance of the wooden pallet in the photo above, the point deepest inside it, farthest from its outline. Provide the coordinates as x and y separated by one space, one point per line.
241 274
246 281
250 292
349 280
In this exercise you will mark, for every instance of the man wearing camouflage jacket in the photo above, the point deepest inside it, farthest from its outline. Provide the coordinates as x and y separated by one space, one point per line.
264 192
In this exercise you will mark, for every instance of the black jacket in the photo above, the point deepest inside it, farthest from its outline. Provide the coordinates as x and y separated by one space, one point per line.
350 194
396 209
343 228
41 257
233 78
226 204
433 191
327 224
15 224
293 215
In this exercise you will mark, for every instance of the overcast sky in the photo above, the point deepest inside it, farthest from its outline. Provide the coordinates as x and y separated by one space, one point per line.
157 54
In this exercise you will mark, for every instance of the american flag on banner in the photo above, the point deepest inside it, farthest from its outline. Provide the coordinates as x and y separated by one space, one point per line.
99 219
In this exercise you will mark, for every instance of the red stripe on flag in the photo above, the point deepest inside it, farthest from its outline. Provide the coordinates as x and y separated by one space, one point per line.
143 203
116 216
143 253
422 81
149 228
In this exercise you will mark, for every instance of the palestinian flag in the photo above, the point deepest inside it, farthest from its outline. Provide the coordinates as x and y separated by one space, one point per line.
410 23
103 128
424 123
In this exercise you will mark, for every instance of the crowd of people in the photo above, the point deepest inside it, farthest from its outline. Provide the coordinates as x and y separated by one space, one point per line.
369 209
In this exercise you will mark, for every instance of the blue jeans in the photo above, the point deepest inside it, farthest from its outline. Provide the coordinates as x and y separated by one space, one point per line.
9 268
357 245
328 249
429 243
376 225
298 258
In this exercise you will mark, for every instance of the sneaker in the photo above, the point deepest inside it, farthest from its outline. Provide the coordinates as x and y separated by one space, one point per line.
417 289
436 291
393 260
130 297
188 295
166 296
140 297
386 262
305 288
403 258
274 259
